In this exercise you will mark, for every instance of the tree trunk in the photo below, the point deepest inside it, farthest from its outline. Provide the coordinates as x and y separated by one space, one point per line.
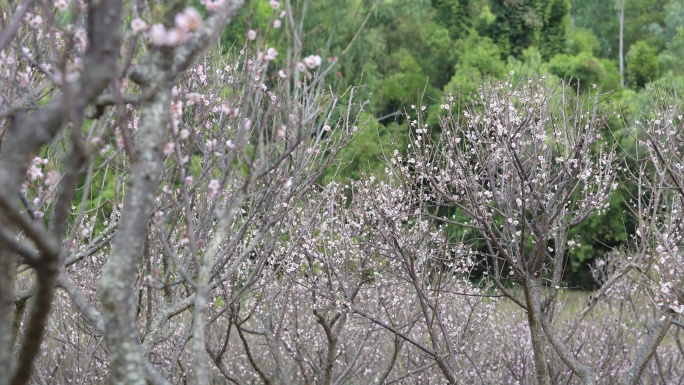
534 314
118 277
621 15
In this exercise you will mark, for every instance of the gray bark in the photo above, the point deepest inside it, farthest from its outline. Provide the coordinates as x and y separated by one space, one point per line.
26 133
117 286
647 349
580 369
155 75
531 288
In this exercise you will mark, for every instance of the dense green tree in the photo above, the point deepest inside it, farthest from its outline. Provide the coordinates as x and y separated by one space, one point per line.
601 18
674 19
405 82
517 26
644 20
554 32
672 59
365 155
529 64
583 40
642 64
479 57
585 68
455 15
523 23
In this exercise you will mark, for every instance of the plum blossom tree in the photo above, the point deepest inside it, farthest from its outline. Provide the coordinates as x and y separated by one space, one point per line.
524 164
524 169
201 157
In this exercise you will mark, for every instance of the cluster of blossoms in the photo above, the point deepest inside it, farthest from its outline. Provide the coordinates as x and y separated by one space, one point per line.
662 230
212 5
310 62
35 171
184 23
33 21
277 22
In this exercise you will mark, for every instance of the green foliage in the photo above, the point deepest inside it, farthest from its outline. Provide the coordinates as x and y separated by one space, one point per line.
438 61
256 16
599 234
455 15
672 59
485 19
642 64
478 57
586 69
583 40
530 63
601 18
479 53
518 24
102 195
554 33
674 20
365 155
643 21
404 83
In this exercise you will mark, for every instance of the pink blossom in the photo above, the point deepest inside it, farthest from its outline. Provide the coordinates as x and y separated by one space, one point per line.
275 4
52 178
157 35
138 25
251 34
282 74
228 110
193 18
23 79
36 22
34 173
312 61
61 5
168 147
213 187
271 54
175 36
213 5
182 22
277 23
193 97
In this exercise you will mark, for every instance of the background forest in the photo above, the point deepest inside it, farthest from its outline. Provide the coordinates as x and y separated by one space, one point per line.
406 52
